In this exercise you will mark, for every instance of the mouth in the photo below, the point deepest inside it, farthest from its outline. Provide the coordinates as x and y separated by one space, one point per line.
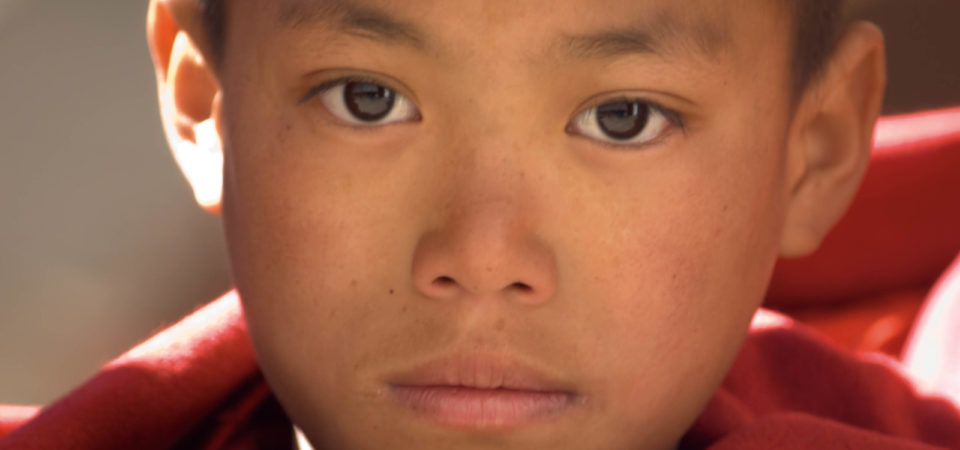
482 392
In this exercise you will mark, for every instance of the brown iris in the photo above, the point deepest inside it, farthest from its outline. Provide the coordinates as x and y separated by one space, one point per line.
623 120
367 101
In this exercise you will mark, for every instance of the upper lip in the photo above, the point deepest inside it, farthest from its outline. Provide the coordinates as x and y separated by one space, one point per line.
480 371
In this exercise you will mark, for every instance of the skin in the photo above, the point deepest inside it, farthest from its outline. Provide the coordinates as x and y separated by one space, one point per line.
631 274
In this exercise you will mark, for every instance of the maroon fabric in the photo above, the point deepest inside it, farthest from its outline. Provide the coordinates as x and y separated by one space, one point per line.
196 384
932 355
790 389
155 394
12 416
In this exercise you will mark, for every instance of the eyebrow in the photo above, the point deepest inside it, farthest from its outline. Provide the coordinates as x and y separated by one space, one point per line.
663 35
353 18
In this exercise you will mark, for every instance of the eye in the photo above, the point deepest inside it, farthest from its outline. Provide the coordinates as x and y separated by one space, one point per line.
363 102
624 123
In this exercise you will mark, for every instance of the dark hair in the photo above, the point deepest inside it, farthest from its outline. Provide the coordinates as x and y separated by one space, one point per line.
214 20
816 25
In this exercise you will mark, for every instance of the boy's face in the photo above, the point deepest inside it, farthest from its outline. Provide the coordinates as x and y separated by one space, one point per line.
520 204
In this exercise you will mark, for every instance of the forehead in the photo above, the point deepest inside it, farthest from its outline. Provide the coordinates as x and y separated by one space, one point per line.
571 29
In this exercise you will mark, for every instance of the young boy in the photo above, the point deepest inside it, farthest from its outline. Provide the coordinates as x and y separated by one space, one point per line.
526 224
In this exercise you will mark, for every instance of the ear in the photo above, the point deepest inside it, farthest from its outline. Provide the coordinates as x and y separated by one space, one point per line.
189 94
831 136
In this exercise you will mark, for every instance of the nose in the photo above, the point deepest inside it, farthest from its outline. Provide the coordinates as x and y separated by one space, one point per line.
485 250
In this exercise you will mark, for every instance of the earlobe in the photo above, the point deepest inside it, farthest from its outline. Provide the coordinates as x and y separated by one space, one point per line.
189 95
831 136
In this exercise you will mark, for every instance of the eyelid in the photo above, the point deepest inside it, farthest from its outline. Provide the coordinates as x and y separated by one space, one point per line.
330 84
344 75
322 89
674 120
603 99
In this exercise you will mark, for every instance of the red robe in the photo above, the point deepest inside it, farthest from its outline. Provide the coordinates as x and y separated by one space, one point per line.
197 385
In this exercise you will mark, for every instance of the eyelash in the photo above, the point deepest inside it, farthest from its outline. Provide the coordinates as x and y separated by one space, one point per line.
674 118
326 86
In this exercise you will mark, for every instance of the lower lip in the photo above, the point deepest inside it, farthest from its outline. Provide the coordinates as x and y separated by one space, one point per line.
483 408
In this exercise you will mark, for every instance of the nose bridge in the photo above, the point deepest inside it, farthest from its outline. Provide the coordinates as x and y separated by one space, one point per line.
483 228
486 172
484 243
491 102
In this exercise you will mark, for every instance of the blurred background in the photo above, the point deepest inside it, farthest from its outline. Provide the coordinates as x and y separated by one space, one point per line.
100 241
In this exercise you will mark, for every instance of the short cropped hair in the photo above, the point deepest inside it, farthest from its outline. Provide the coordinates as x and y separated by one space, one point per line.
816 26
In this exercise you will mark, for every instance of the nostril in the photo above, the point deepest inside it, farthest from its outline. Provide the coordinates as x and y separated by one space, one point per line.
444 281
522 287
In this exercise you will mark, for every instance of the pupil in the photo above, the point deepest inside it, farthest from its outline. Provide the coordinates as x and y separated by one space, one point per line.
623 120
367 101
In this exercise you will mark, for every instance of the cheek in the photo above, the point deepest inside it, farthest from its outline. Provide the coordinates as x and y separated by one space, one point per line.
683 263
292 244
298 215
307 272
320 249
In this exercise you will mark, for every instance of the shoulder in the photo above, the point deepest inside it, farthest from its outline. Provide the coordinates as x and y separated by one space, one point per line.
792 389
